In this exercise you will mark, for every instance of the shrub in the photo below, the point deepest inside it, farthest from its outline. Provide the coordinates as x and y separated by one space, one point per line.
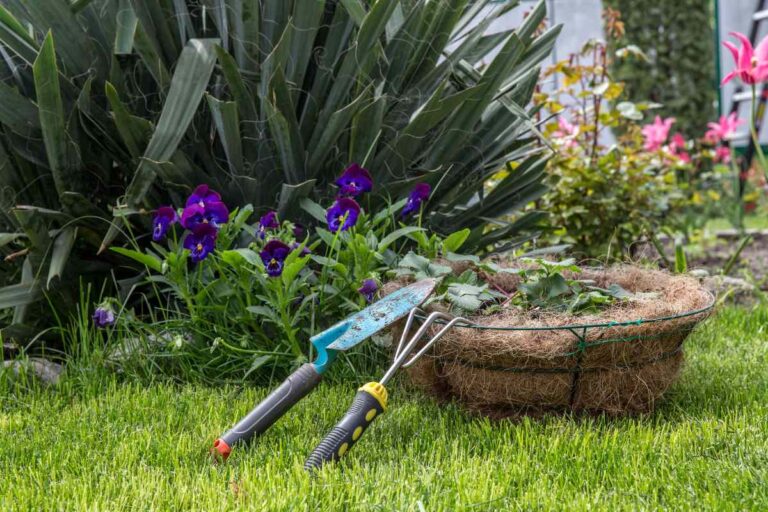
605 198
677 68
112 107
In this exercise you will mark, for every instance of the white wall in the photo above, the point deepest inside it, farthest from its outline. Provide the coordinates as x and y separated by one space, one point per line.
736 16
580 18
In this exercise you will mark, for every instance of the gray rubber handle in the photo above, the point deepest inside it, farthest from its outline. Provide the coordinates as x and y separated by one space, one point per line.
269 410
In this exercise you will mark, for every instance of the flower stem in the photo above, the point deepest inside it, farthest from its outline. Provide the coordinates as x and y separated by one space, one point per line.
753 130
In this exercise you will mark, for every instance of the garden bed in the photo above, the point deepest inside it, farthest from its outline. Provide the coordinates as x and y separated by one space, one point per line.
618 361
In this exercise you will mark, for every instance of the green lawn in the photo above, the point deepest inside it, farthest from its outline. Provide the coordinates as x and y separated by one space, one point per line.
129 447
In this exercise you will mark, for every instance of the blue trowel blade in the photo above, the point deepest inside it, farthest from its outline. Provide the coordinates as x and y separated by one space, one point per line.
364 324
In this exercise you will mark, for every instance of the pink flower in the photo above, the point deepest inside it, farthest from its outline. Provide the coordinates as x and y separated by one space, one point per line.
751 63
677 148
723 129
723 154
566 128
566 131
657 132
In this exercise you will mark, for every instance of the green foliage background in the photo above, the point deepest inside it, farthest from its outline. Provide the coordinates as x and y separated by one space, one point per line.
678 37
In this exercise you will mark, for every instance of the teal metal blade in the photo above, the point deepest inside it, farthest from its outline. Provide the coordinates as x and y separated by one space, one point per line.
364 324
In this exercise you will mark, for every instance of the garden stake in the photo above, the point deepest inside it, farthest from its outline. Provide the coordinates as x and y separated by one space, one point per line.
342 336
371 399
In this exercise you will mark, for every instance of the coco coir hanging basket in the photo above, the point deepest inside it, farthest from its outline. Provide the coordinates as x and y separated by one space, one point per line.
618 361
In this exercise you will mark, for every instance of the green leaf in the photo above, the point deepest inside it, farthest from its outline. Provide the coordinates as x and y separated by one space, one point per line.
17 112
62 246
19 294
455 240
681 260
395 235
227 122
237 255
6 238
134 131
27 278
314 209
16 38
148 260
291 197
126 22
292 268
62 158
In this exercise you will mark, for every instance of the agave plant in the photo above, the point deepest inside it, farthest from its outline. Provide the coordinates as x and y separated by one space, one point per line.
111 107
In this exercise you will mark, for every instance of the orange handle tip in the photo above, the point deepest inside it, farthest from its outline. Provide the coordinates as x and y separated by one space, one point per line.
222 449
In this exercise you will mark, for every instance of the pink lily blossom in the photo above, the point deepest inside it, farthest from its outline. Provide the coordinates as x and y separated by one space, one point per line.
566 131
677 148
656 133
723 129
723 154
751 63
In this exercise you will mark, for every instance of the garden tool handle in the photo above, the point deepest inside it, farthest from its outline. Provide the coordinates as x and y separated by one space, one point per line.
269 410
369 403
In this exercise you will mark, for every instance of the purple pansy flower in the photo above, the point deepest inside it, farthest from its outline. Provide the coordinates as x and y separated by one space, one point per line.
299 231
419 194
165 217
215 213
354 181
273 255
103 317
201 241
268 221
202 196
343 208
368 290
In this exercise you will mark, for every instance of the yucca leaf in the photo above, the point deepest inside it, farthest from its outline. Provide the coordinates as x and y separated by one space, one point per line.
126 21
274 24
366 129
156 23
227 122
19 294
330 132
291 196
149 52
244 23
6 238
74 46
306 19
27 279
183 22
62 246
16 38
240 93
134 131
62 158
18 112
190 79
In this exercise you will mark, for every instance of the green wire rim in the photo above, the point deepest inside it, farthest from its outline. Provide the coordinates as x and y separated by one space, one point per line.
572 327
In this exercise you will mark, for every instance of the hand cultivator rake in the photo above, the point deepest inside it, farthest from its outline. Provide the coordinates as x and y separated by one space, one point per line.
371 399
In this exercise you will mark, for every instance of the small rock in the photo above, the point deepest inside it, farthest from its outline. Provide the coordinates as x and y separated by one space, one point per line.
47 371
740 289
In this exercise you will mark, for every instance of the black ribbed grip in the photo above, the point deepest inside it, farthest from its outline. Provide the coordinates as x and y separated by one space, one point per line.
364 409
269 410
